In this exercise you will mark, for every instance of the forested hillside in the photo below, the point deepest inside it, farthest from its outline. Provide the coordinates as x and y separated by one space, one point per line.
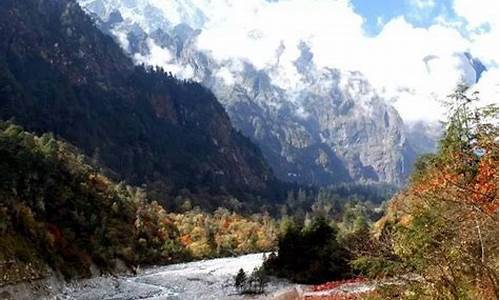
60 74
59 214
443 227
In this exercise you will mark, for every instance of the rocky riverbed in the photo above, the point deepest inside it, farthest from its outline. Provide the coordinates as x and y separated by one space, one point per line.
208 279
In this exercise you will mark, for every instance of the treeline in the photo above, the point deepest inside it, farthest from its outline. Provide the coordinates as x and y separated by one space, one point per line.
57 212
336 202
345 201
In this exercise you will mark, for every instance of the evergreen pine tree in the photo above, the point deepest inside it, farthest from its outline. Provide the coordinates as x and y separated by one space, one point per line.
240 280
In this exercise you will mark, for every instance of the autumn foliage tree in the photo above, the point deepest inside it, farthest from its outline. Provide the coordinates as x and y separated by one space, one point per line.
225 233
443 228
466 168
59 212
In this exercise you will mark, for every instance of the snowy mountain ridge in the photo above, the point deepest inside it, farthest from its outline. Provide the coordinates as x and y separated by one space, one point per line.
322 125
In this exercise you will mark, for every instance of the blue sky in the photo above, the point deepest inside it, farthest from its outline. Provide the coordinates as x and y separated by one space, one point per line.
419 13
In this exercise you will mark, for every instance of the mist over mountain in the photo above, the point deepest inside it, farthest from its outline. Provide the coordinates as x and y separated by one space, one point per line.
317 125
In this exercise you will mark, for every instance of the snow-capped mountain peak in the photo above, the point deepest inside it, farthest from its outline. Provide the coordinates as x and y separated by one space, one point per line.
322 124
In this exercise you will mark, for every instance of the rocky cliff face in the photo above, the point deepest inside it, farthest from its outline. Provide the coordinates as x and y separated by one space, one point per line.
59 73
422 136
319 126
335 128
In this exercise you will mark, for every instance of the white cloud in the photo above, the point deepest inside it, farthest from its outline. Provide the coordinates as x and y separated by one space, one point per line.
380 21
488 87
423 4
396 61
226 76
159 56
477 12
482 17
393 60
319 21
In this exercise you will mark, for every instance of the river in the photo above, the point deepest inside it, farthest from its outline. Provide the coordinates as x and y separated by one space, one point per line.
207 279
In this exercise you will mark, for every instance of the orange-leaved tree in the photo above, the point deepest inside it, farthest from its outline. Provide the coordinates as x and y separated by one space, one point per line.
443 228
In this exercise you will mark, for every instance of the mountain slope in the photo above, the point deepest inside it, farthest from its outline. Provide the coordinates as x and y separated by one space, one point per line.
58 214
59 73
314 125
